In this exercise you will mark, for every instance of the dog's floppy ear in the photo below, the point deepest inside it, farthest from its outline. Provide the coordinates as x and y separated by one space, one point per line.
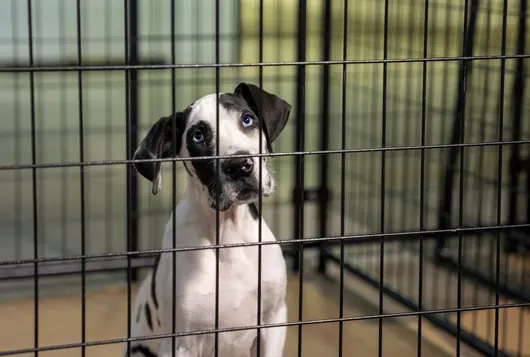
158 144
271 110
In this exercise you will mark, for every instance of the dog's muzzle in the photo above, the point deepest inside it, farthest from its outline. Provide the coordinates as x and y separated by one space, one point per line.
238 168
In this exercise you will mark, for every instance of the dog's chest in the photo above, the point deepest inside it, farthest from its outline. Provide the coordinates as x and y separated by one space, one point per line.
238 286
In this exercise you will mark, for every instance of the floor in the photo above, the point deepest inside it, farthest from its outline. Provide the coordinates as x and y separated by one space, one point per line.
60 323
440 292
514 322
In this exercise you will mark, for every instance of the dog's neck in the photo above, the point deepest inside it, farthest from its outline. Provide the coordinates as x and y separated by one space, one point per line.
234 217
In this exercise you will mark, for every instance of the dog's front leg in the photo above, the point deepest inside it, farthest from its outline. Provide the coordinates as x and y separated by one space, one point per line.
179 351
273 338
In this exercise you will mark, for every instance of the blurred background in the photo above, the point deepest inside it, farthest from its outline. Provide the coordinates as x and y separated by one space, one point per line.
469 102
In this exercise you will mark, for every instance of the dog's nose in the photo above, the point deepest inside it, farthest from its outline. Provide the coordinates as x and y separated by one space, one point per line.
238 167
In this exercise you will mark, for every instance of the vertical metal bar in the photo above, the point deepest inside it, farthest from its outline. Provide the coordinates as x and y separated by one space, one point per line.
446 104
430 175
34 184
131 103
198 25
422 169
217 170
82 178
324 133
277 80
128 170
444 215
173 181
445 210
299 160
152 15
516 162
134 102
299 135
39 90
462 93
343 174
499 173
383 177
260 170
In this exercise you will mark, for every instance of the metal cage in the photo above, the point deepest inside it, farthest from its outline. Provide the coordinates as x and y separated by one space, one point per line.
405 163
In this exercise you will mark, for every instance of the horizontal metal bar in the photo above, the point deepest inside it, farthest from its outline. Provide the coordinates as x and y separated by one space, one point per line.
47 269
92 265
59 266
153 61
282 154
465 336
307 242
258 64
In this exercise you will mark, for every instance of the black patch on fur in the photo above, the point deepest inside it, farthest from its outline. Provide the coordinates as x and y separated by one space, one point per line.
205 169
254 212
158 321
234 102
160 143
148 316
144 350
153 281
272 111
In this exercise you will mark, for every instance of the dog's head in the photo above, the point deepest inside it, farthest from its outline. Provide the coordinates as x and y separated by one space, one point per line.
193 133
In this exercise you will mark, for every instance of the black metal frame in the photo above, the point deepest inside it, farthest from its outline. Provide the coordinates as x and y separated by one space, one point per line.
516 238
514 231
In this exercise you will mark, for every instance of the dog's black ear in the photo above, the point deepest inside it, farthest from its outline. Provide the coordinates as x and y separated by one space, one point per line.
159 143
271 110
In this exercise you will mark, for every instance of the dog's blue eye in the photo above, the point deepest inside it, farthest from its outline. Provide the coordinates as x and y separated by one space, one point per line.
197 137
247 121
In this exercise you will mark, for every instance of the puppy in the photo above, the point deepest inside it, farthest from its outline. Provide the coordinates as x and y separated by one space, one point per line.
241 116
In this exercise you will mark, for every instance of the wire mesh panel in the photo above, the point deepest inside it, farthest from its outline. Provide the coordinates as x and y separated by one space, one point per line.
466 104
405 162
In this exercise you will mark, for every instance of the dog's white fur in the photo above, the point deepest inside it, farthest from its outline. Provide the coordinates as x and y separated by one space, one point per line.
195 270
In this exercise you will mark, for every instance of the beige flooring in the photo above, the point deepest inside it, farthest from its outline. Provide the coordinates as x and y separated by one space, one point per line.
60 323
514 322
440 292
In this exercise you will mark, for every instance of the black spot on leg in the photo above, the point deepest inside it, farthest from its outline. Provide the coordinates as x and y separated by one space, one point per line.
148 317
153 281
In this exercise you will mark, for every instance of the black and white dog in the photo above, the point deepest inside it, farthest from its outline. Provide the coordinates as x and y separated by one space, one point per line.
241 116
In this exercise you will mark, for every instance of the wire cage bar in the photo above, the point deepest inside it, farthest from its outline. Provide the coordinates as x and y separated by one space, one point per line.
405 164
